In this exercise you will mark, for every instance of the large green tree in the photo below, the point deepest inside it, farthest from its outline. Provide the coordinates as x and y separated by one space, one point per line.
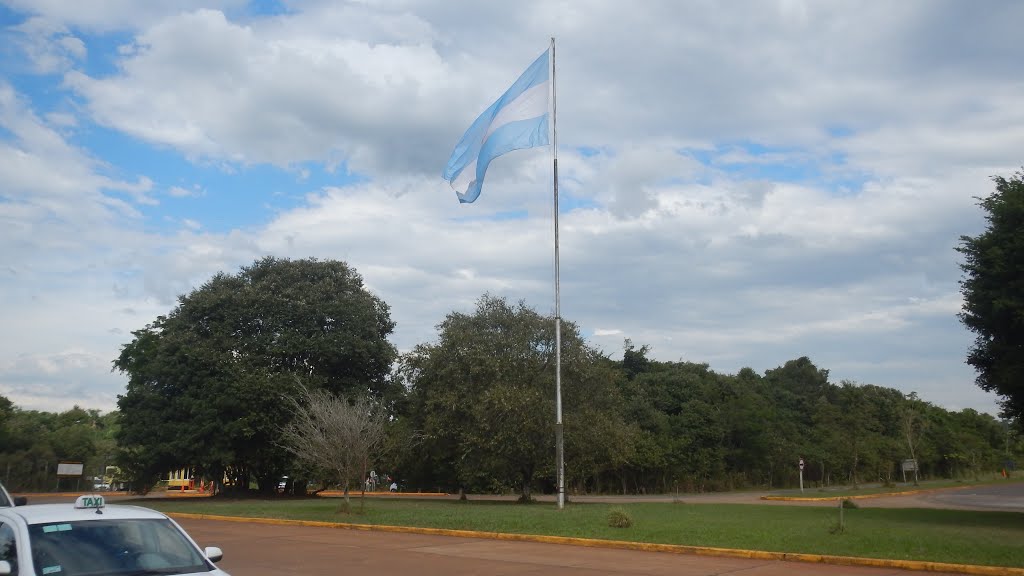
482 399
206 382
993 290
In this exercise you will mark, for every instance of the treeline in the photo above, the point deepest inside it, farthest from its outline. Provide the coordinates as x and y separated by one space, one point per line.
211 388
32 443
482 400
699 430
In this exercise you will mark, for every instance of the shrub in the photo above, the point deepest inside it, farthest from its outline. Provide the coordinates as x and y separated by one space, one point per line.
850 503
619 518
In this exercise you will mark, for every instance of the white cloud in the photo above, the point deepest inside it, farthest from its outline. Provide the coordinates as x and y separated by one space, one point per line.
180 192
111 15
272 92
47 46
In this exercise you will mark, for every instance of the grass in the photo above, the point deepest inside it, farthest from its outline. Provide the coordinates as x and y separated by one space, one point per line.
962 537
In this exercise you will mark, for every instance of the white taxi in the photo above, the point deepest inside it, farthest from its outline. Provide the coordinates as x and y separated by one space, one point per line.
89 538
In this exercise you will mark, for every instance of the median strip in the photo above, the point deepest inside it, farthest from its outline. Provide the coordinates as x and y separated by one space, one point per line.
642 546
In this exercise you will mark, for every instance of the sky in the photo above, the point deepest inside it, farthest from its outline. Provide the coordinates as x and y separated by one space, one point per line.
740 183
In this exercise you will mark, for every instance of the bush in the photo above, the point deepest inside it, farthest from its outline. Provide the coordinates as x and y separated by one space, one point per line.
619 518
850 503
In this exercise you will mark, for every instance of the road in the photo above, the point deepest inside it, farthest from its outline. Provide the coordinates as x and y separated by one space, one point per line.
1003 497
996 497
266 550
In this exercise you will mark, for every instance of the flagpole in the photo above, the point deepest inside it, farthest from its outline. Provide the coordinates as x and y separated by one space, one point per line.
559 445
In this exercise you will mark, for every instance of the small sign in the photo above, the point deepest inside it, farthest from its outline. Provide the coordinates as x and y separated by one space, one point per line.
90 501
909 465
801 463
69 469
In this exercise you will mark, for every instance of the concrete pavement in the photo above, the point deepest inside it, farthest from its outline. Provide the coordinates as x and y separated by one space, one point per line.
270 550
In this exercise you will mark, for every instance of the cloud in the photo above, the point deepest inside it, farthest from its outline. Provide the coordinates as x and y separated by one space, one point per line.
179 192
111 15
271 92
48 46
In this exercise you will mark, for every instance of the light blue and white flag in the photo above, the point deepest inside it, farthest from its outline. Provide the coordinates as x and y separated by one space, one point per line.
519 119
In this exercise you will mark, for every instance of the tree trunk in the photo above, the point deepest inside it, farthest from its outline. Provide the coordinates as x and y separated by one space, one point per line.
524 495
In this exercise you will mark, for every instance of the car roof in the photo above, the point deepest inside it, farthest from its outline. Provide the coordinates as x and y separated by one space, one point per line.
47 513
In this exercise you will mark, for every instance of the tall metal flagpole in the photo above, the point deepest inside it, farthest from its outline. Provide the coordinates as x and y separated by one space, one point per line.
559 445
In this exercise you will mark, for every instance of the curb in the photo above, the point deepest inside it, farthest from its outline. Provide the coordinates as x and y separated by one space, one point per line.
641 546
865 496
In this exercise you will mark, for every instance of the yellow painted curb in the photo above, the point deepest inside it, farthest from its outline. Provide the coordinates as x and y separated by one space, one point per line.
865 496
643 546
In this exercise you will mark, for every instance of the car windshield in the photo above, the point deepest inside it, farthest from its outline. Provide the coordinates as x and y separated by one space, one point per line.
114 547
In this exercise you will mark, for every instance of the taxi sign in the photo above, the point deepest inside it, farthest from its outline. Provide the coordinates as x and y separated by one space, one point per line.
89 501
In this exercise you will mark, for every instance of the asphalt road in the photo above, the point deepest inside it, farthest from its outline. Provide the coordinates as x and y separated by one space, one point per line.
997 497
266 550
1002 497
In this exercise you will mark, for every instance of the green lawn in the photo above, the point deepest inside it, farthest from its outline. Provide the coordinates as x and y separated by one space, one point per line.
963 537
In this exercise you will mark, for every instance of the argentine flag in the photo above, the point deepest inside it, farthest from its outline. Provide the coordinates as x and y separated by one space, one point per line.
519 119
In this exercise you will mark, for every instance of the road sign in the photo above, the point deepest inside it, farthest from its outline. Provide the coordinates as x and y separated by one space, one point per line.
69 469
801 463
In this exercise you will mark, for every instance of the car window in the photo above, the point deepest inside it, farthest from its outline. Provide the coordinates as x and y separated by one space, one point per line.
8 547
113 547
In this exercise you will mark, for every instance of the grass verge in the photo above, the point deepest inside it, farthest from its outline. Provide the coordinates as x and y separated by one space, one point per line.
951 536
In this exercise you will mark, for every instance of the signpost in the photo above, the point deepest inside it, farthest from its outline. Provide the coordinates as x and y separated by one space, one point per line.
909 465
801 475
69 470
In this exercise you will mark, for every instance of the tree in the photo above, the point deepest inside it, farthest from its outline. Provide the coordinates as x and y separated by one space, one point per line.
6 410
993 290
37 441
206 382
333 436
634 361
482 398
911 422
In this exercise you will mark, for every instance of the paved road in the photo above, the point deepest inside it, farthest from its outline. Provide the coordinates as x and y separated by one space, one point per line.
266 550
1004 497
997 497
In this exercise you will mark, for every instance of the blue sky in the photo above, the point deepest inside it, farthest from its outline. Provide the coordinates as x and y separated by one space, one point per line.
741 184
